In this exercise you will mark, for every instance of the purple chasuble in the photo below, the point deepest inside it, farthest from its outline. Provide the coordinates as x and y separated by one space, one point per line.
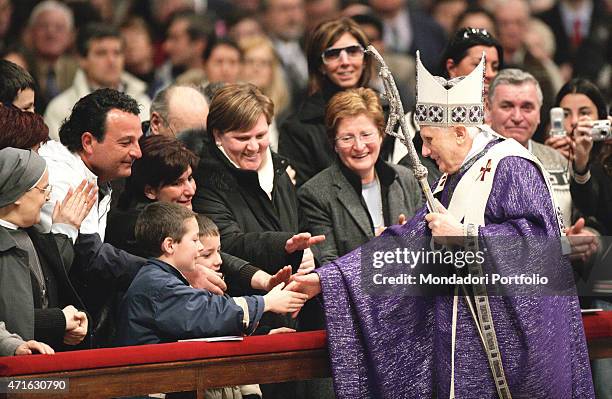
399 346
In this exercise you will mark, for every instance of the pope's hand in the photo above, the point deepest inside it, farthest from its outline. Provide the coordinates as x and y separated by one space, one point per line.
445 229
308 284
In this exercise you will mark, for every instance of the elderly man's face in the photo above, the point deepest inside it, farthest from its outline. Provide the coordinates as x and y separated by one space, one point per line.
514 111
447 146
512 19
51 34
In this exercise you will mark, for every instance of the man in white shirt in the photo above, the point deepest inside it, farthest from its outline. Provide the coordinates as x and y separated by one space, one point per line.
99 142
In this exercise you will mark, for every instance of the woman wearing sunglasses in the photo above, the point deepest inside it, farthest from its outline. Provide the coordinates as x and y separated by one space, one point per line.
336 62
354 199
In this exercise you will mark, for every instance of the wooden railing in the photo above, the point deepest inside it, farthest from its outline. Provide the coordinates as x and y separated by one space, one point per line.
182 366
196 366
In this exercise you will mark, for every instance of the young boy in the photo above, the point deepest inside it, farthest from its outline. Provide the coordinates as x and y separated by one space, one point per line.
161 306
210 257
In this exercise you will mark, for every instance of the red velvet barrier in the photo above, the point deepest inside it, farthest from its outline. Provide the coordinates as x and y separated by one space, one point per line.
158 353
597 325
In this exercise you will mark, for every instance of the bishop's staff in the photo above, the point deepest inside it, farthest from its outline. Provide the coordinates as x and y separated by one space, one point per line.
396 114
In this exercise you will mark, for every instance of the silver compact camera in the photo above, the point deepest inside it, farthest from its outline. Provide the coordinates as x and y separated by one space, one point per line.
601 130
556 122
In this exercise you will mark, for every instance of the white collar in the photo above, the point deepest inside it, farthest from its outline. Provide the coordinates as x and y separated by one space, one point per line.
480 142
8 225
265 173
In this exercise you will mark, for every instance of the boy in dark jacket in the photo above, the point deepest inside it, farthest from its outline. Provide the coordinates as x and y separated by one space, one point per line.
161 306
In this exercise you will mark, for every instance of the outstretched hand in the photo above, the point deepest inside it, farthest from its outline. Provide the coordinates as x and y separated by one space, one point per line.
281 276
301 241
307 284
76 204
284 301
206 279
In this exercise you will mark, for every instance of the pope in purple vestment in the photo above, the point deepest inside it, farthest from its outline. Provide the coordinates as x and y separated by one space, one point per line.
398 344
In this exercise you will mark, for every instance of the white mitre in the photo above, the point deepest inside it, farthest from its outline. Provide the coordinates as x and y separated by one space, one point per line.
445 103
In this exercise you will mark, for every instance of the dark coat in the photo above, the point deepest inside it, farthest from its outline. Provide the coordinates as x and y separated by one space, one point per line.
19 307
120 233
428 37
595 50
160 306
252 226
594 198
334 206
303 138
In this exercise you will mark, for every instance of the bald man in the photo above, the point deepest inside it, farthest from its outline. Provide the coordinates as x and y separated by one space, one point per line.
176 109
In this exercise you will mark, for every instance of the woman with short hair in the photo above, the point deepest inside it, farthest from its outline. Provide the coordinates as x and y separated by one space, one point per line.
244 188
360 194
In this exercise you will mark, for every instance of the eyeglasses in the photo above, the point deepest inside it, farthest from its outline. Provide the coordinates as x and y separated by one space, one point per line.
350 139
466 33
354 52
47 190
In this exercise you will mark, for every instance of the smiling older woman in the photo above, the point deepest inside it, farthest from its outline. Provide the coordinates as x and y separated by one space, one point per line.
36 295
354 199
244 188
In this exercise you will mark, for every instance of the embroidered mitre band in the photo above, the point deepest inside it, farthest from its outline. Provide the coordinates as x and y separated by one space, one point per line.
439 105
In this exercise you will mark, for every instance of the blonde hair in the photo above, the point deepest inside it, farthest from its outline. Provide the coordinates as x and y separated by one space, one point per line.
351 103
237 107
277 90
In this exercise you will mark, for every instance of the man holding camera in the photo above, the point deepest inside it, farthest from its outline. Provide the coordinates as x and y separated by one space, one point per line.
514 103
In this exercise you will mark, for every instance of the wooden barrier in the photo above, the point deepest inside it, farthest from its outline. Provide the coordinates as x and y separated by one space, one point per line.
264 359
194 375
196 366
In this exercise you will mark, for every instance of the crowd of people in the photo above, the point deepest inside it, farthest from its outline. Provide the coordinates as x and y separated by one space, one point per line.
183 169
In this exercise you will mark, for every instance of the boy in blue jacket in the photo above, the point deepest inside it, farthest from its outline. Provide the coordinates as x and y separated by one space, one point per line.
161 306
